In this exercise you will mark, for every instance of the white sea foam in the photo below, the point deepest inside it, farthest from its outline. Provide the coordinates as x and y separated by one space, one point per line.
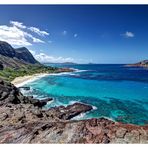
58 74
79 117
109 118
72 102
94 107
78 70
33 78
23 91
74 74
36 77
74 69
49 102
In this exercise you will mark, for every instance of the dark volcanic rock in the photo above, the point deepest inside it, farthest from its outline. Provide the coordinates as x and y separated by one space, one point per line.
15 58
22 120
24 54
40 103
67 113
70 111
143 63
1 66
6 49
10 94
8 62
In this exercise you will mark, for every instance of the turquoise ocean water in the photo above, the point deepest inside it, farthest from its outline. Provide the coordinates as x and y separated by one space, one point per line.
114 91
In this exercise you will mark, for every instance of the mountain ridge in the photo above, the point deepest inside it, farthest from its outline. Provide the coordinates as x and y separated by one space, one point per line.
15 57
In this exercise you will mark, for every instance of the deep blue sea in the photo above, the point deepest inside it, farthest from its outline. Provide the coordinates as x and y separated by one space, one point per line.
114 91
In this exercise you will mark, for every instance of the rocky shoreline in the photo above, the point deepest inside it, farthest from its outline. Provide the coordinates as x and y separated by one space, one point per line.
23 120
143 64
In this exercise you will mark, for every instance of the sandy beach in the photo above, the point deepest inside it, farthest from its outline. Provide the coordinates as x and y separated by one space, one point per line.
20 81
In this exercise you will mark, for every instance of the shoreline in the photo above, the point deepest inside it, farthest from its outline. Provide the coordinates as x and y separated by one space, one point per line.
20 81
23 118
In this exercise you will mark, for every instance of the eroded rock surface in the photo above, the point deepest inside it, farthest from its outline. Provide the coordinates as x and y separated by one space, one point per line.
24 120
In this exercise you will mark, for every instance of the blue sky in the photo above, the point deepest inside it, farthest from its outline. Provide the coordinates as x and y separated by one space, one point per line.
78 33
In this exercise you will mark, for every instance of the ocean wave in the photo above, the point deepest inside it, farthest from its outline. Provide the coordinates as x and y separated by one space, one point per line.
109 118
74 74
72 102
94 107
64 73
78 70
52 74
79 117
24 91
31 80
58 74
39 77
49 102
81 70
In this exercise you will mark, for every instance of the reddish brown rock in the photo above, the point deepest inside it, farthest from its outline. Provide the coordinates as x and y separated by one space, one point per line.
25 122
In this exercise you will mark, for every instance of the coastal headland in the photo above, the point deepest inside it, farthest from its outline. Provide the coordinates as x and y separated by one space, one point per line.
24 120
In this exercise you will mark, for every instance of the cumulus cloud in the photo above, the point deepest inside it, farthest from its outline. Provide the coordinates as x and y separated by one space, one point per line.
43 58
38 31
128 34
16 34
33 29
75 35
36 40
32 52
18 24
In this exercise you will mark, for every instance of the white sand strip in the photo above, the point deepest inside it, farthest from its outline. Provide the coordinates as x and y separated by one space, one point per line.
20 81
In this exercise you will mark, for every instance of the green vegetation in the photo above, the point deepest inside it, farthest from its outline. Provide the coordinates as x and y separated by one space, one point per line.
10 74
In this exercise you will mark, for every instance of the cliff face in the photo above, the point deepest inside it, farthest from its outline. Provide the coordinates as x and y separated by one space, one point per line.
7 62
13 58
6 49
23 120
24 55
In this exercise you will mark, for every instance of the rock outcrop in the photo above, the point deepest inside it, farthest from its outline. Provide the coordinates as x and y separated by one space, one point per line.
143 63
24 120
10 94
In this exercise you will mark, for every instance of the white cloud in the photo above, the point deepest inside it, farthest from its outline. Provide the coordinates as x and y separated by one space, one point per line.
36 40
75 35
43 58
64 32
128 34
38 31
33 29
15 34
18 24
32 52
